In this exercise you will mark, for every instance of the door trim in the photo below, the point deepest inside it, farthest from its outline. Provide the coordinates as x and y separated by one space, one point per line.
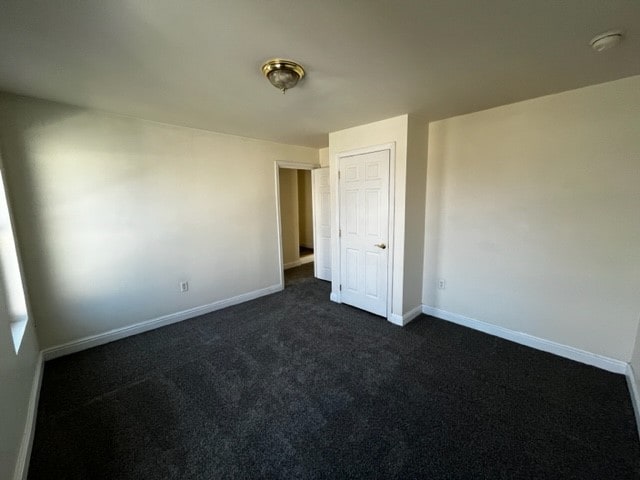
278 164
336 295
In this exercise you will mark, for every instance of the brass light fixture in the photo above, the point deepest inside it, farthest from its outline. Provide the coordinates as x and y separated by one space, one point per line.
283 74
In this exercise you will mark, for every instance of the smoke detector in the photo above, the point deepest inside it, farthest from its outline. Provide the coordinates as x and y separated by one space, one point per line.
606 40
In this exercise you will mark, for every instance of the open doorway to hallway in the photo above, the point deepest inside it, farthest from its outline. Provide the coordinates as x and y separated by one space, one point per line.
296 217
303 218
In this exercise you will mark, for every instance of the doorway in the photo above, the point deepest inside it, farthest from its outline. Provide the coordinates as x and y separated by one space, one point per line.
294 192
296 217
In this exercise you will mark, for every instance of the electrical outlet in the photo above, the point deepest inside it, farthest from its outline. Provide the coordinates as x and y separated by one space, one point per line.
441 284
184 286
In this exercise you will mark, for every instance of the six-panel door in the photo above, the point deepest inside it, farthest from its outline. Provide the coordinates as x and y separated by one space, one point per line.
364 230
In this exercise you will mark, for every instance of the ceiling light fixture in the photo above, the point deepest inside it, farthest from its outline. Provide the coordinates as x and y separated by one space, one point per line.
606 40
283 74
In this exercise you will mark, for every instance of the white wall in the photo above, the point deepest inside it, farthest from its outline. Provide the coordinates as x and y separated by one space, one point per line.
533 217
417 146
16 380
635 358
323 157
289 215
114 212
634 374
305 208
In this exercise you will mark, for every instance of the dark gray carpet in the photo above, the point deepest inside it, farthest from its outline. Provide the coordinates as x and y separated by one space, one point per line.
294 386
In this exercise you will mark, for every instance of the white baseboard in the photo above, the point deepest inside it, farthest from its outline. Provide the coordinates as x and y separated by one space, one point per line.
24 454
405 318
335 297
119 333
307 259
572 353
294 264
297 263
634 390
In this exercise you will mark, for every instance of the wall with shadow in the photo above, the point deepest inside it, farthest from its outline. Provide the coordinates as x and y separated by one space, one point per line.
532 217
16 379
113 212
17 371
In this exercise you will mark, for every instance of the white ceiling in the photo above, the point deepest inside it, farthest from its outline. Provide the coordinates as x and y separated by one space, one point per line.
197 62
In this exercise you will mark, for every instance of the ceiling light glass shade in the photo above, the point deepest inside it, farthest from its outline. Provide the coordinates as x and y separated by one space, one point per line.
283 74
283 79
606 40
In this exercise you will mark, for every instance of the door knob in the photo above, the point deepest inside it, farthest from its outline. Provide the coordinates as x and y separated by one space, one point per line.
380 245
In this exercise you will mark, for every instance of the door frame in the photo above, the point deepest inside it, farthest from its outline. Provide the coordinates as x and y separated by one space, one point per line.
336 295
278 164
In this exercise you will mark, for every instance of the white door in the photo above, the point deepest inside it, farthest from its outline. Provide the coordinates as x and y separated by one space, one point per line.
321 223
364 230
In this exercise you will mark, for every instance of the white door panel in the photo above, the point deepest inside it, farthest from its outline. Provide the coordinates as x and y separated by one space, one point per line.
364 228
322 223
